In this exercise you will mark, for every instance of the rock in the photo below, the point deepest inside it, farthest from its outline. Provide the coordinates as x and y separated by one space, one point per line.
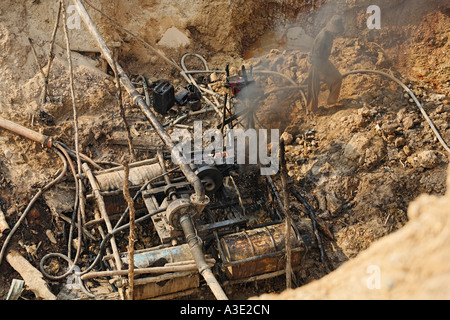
427 159
334 204
389 127
364 150
365 111
174 38
390 138
402 114
287 137
359 120
8 155
437 97
356 147
409 122
3 224
371 158
275 51
400 142
407 150
440 109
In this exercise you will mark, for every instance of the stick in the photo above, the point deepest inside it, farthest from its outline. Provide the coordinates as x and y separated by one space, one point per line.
97 274
132 236
85 232
82 202
50 53
36 58
122 111
287 213
33 277
314 223
103 212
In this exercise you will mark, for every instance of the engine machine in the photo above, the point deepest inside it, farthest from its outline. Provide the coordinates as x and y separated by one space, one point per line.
241 229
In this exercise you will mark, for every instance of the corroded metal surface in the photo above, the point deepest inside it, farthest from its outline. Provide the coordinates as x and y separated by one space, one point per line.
257 251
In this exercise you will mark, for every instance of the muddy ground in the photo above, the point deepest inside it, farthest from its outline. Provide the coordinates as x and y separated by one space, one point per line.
359 165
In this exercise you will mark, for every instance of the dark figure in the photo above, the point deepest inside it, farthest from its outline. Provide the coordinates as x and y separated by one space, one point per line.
321 67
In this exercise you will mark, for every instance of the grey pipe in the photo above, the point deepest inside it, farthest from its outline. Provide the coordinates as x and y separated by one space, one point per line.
197 253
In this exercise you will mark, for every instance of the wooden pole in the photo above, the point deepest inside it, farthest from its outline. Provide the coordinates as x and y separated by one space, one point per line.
122 112
132 236
45 90
287 213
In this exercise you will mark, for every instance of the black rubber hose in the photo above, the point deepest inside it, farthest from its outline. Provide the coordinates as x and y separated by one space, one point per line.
77 211
76 203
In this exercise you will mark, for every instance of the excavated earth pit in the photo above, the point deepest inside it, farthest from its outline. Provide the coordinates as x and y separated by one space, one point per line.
358 166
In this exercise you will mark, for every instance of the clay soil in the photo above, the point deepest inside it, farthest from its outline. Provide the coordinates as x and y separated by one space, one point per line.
359 165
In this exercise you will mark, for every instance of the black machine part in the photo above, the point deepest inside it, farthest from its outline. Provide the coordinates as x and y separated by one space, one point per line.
164 97
181 96
211 177
194 97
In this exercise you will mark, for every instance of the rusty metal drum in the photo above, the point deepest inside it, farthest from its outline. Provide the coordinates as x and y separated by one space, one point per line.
258 251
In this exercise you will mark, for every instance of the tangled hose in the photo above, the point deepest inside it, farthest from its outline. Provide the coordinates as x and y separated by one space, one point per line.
76 211
419 105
